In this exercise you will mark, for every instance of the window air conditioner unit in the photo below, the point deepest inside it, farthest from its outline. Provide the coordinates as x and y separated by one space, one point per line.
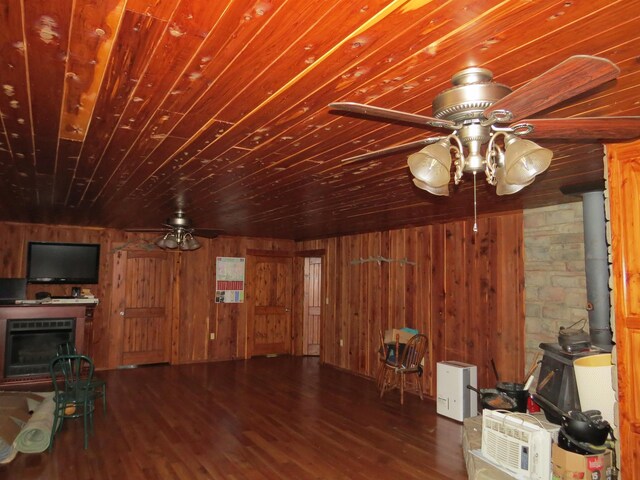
519 443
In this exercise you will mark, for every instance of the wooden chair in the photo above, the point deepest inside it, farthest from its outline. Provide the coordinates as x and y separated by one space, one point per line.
383 353
71 400
407 362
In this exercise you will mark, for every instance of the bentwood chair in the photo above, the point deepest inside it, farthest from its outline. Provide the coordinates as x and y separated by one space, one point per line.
406 363
97 387
71 400
383 353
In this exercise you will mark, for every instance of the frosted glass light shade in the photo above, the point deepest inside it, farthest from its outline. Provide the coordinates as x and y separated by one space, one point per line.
170 241
432 166
504 188
443 191
190 243
524 160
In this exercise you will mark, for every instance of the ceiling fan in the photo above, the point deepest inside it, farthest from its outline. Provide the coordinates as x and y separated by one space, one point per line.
179 233
489 128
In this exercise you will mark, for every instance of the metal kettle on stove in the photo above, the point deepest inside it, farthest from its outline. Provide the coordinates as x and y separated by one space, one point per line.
573 338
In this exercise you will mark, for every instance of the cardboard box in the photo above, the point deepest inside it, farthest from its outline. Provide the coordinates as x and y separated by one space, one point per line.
390 335
572 466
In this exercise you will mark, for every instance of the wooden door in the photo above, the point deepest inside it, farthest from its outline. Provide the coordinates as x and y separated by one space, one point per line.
624 191
269 322
312 305
141 307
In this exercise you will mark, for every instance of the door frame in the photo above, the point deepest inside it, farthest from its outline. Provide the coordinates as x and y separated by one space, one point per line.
298 299
308 293
114 327
251 254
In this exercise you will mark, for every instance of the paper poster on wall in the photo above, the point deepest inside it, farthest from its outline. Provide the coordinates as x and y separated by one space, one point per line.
229 280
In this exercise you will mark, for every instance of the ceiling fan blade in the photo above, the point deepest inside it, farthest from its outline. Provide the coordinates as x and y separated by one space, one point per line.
207 232
575 75
390 150
581 127
146 230
389 114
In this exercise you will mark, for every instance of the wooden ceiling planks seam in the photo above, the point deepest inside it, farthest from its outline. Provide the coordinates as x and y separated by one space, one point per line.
166 90
92 33
46 35
338 198
560 39
484 204
506 52
230 142
341 197
124 71
223 105
166 56
187 135
323 106
15 110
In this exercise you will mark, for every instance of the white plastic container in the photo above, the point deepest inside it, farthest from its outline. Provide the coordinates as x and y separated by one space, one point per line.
595 389
455 400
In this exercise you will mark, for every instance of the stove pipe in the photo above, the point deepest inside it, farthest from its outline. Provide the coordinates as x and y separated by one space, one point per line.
597 269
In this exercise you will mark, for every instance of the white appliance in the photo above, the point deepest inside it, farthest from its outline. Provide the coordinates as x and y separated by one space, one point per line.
455 400
518 442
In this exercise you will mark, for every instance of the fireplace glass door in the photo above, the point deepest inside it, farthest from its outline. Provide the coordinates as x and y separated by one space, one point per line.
31 344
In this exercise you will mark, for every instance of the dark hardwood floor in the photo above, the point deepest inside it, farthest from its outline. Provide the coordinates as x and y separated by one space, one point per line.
266 418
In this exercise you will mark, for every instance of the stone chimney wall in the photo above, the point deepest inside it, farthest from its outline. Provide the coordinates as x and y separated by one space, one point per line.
555 281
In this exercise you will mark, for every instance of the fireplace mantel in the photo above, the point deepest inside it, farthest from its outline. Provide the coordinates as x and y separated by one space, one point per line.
25 312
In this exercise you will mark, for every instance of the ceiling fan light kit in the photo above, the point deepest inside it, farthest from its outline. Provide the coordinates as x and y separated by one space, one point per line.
479 113
179 233
518 162
179 238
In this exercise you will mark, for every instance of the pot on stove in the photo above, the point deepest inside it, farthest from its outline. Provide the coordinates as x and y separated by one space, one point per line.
574 339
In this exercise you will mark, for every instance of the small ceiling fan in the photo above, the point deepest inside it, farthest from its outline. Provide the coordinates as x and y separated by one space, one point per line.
489 125
179 233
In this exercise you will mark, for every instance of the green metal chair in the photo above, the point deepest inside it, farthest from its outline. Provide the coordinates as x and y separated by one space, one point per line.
70 374
97 387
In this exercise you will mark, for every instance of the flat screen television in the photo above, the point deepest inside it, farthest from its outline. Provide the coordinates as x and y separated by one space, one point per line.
49 262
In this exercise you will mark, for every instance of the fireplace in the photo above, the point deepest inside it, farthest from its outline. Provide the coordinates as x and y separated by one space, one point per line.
31 343
29 337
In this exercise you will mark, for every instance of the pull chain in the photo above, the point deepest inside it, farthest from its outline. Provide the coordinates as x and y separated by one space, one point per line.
475 205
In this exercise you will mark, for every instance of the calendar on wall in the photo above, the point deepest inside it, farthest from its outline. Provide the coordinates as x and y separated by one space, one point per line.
230 279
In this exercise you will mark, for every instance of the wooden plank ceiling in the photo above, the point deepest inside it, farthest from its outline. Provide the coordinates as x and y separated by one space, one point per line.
115 113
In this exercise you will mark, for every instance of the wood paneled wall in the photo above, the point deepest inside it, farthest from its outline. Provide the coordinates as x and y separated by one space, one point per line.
199 315
623 161
14 238
466 291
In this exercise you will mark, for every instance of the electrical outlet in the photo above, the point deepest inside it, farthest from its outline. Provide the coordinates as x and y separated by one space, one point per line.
212 336
326 301
341 342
